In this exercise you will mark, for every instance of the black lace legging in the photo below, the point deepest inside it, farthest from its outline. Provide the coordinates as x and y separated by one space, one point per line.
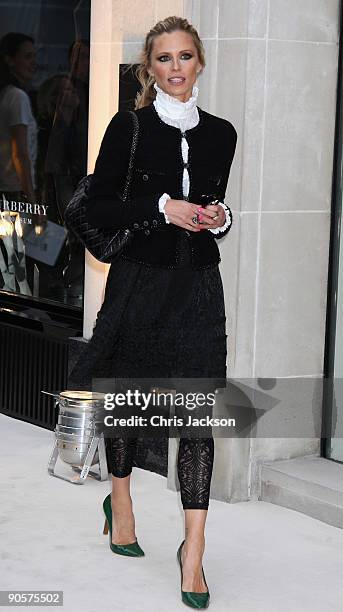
194 466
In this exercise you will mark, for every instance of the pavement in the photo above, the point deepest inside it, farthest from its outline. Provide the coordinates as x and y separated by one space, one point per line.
259 557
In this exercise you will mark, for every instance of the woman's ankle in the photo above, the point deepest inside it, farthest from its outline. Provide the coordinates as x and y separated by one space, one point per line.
194 539
121 500
194 548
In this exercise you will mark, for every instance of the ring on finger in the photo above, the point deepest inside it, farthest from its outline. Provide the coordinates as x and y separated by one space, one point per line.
195 219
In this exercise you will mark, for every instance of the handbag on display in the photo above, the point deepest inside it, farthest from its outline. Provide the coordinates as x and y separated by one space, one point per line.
103 244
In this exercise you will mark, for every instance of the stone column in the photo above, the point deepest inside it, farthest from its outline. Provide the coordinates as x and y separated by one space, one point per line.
272 71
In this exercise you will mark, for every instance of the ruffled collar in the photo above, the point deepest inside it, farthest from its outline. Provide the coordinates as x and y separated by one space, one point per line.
184 115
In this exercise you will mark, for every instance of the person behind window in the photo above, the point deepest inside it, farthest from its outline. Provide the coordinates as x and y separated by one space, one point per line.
48 95
66 156
18 148
18 127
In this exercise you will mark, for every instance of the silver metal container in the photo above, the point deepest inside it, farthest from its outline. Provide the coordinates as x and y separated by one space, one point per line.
79 440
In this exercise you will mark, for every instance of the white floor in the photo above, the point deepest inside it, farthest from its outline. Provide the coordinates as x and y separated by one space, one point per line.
259 557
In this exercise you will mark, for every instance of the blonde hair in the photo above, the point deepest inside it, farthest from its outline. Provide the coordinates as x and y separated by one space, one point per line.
171 24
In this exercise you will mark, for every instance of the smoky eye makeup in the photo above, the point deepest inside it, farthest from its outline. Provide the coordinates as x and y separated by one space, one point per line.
165 57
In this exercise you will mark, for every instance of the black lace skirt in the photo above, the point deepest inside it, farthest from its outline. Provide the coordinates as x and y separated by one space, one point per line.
155 323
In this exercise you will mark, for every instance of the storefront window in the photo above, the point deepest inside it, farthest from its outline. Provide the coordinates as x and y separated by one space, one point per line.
44 89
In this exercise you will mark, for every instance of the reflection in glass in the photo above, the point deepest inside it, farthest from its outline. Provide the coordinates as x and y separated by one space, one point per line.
44 80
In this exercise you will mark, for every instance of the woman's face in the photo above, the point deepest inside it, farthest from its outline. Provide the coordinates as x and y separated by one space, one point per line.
23 63
174 63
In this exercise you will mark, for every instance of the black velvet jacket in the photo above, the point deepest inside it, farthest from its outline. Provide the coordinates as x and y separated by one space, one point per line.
158 169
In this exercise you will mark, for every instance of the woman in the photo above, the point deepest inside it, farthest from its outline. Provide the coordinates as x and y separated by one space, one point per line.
63 134
163 313
18 126
18 147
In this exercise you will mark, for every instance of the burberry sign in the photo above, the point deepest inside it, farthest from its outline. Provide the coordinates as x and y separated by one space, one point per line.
23 207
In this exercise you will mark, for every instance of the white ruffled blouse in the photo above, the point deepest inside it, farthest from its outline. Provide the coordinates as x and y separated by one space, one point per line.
185 116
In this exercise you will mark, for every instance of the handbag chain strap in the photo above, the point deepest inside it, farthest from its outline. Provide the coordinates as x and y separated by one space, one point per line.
132 155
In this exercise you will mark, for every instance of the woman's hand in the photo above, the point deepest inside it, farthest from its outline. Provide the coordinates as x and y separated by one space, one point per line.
213 216
180 213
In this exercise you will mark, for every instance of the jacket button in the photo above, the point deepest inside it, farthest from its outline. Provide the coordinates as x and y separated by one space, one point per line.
135 225
154 222
147 232
145 177
145 223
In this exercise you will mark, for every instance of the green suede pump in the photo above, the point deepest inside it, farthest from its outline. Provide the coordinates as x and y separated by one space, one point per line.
129 550
194 600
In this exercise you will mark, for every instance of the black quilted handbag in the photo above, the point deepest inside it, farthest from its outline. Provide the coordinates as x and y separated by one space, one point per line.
103 244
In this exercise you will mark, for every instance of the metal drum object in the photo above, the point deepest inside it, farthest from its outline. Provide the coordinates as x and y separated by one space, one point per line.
79 440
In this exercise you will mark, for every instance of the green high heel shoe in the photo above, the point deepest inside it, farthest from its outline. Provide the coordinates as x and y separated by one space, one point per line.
190 598
129 550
